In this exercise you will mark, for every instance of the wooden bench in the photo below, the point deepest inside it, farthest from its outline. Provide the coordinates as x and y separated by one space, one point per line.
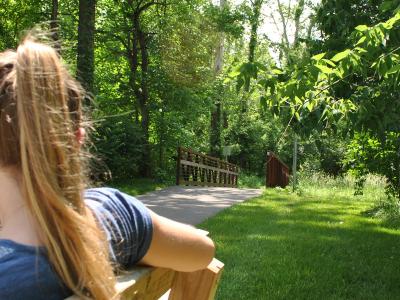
147 283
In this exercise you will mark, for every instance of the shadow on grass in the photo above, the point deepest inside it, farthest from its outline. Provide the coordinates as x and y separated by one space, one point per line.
281 246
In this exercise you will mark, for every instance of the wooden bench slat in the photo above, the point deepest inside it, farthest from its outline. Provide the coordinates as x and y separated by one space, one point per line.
148 283
150 286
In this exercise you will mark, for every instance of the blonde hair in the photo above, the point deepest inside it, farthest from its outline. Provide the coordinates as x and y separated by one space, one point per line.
40 113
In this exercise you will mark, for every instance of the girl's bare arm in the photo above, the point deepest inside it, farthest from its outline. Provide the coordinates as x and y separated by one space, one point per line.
178 246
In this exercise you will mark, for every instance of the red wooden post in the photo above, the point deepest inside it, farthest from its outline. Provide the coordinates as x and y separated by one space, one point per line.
277 173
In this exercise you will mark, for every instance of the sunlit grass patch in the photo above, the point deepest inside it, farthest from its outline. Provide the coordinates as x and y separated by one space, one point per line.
320 184
309 246
382 207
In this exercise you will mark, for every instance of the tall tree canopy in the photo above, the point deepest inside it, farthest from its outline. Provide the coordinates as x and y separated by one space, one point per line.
235 75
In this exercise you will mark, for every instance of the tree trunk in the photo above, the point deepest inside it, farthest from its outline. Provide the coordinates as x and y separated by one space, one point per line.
254 22
310 27
285 38
54 26
215 134
132 55
297 15
215 126
86 31
138 44
161 139
142 94
219 55
286 45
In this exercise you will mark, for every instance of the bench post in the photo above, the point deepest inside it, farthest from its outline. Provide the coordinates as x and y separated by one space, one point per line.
199 285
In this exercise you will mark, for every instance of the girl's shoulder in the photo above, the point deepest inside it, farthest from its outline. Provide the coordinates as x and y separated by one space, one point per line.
25 273
126 222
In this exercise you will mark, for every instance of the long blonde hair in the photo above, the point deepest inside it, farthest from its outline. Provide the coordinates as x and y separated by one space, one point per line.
40 113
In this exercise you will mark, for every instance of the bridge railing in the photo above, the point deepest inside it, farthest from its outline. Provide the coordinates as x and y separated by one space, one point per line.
194 168
277 172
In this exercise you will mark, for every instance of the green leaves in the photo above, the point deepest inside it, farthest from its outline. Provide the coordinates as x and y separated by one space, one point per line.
318 56
324 69
362 28
341 55
361 40
369 154
276 71
393 70
332 89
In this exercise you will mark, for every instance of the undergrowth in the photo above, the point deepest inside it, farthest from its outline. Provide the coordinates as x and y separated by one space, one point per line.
252 181
383 206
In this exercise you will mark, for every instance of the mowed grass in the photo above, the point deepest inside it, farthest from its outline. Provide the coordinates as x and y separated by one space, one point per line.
317 245
138 186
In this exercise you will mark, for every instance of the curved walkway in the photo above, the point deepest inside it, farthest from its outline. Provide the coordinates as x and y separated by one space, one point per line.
192 205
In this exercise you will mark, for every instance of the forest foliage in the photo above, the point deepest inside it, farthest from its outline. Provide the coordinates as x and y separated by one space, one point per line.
244 76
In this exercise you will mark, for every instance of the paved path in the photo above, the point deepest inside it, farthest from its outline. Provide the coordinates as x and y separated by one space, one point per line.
192 205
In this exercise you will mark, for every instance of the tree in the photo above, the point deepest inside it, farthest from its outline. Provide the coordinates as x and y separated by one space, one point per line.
336 20
85 51
215 130
129 30
16 17
54 25
285 17
139 83
177 42
254 19
369 73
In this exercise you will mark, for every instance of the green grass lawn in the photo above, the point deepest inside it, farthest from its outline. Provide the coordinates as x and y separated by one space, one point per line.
138 186
317 245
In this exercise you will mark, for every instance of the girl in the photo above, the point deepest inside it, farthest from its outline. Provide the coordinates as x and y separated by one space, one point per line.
56 239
